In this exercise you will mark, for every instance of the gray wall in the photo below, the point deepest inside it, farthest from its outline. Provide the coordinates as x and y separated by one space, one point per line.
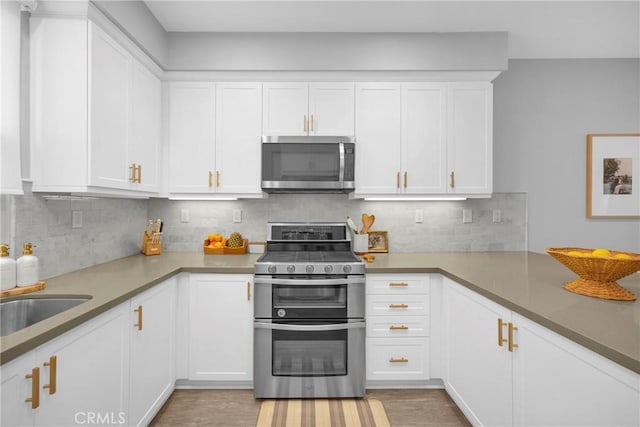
543 110
338 51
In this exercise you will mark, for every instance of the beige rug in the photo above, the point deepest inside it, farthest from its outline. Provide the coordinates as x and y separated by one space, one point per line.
322 413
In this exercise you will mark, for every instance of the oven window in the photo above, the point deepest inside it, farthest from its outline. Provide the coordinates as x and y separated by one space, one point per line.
309 296
309 354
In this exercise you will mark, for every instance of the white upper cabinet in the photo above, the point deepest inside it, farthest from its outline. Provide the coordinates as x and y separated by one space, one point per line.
423 139
238 125
10 171
95 112
470 138
308 109
214 138
378 134
424 145
191 137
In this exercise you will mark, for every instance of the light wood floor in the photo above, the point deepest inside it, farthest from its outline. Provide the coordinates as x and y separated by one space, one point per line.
238 408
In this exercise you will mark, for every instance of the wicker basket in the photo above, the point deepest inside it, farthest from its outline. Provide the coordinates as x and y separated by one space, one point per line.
597 276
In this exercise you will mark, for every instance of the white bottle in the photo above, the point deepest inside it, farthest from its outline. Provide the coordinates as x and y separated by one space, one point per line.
7 269
27 267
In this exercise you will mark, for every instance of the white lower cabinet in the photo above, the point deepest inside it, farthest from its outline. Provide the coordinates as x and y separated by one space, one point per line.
221 327
152 326
477 370
558 382
397 314
80 377
15 388
519 373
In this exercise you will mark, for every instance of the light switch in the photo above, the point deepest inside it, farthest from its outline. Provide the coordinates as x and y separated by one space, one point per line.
467 216
497 215
184 215
419 216
237 215
76 219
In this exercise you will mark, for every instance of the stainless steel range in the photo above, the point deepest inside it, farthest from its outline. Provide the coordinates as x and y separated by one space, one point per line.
309 328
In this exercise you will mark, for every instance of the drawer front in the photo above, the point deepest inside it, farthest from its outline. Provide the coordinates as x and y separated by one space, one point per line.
397 326
397 305
397 359
398 284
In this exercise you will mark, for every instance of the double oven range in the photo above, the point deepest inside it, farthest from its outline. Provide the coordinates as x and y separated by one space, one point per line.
309 327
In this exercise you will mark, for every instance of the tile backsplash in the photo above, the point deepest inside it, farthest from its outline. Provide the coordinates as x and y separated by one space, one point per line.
111 228
442 229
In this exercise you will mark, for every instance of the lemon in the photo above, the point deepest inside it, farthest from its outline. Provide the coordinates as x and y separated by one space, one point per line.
575 253
601 253
622 256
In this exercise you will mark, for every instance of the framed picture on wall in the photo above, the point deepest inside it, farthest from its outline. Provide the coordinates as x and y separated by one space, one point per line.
613 170
378 241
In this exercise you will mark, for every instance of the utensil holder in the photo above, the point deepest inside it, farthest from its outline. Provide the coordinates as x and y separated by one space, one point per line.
360 244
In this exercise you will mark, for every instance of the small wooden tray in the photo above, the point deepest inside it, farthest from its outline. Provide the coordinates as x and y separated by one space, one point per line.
225 250
23 289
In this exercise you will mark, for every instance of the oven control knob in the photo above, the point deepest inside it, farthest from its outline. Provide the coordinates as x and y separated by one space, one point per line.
272 269
328 269
309 268
346 269
281 313
291 268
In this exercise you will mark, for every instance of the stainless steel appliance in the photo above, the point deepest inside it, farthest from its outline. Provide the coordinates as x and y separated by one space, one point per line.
309 327
310 164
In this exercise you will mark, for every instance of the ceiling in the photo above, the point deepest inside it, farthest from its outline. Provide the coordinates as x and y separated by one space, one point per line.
536 29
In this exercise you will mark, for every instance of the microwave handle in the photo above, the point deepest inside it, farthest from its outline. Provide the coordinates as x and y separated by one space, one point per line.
309 328
341 173
303 282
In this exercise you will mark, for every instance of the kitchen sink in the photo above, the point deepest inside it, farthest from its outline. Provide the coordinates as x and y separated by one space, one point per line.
19 313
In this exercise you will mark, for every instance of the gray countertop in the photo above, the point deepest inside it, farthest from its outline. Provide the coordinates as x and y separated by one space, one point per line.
527 283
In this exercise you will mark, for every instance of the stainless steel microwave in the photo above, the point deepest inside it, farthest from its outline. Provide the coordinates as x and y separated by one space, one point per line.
308 164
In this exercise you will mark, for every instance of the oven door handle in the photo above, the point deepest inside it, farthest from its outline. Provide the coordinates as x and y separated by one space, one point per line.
307 282
309 328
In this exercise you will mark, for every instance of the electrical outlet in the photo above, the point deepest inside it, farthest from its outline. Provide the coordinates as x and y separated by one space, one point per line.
497 215
419 216
184 215
237 215
467 216
76 219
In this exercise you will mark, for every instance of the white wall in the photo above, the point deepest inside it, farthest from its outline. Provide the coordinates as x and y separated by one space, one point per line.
543 110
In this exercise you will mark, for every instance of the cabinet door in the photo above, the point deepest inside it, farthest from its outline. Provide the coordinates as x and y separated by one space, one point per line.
221 327
378 131
238 130
16 388
285 109
10 173
477 370
152 329
109 70
92 372
331 109
470 138
558 382
424 149
144 129
191 137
